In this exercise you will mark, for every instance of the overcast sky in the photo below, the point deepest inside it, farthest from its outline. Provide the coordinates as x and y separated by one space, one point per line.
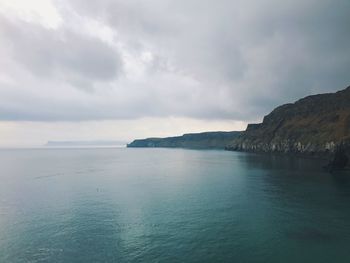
124 69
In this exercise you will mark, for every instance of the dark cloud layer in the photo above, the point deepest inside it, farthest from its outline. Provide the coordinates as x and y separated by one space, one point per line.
60 53
200 59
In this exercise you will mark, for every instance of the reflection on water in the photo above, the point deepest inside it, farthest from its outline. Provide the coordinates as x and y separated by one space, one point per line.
149 205
312 234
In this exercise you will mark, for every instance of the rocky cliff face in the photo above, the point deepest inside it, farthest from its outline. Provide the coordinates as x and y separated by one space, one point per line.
315 125
205 140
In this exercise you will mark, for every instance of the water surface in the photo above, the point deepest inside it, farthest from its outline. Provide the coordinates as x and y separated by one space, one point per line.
170 205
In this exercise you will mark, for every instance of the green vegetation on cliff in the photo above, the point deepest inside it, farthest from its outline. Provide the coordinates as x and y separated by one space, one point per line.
205 140
314 125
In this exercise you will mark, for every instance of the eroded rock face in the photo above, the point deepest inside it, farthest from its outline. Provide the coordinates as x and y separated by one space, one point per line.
315 125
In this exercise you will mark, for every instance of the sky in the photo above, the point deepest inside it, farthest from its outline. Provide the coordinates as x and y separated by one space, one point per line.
119 70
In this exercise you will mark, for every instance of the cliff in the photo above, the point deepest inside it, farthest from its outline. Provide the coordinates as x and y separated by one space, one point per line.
314 125
205 140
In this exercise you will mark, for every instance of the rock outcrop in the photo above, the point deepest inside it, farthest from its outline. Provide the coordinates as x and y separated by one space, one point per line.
205 140
315 125
339 160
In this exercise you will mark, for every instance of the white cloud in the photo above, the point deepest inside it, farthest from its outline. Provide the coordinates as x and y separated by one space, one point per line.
39 11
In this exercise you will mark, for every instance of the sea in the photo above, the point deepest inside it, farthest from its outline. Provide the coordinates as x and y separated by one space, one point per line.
170 205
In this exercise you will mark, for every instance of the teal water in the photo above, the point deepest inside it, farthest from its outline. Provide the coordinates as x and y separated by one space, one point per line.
163 205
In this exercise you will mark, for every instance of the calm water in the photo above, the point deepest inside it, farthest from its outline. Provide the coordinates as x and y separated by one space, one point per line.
162 205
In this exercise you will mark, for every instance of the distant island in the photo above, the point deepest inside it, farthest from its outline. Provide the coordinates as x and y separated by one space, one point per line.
204 140
84 143
315 125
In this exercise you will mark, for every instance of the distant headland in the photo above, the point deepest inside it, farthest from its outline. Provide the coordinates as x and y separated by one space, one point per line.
204 140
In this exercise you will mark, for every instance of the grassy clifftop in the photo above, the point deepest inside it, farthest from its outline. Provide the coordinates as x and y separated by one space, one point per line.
205 140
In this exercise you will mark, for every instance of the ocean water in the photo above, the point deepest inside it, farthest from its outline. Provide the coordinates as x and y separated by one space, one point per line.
170 205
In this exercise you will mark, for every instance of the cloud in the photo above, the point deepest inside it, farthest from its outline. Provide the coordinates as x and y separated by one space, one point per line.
233 60
60 54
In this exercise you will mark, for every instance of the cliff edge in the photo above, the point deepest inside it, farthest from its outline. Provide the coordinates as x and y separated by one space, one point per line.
314 125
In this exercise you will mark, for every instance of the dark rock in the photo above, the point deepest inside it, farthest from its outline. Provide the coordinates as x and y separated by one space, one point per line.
339 160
